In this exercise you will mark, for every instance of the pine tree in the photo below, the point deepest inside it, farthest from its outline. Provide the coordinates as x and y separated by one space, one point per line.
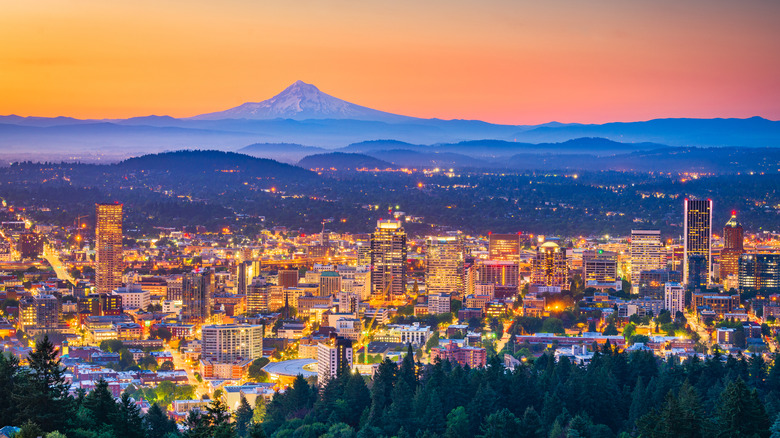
258 414
101 405
10 382
43 388
127 421
457 423
531 424
243 418
500 424
157 423
741 413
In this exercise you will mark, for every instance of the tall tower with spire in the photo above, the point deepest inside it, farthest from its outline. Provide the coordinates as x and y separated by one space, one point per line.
733 236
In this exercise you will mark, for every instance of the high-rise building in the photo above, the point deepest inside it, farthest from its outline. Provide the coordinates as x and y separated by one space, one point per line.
759 271
39 312
363 248
257 296
333 357
288 278
444 261
599 266
733 239
698 236
674 298
232 342
245 272
504 275
697 271
549 268
330 283
108 246
197 296
504 246
647 254
388 259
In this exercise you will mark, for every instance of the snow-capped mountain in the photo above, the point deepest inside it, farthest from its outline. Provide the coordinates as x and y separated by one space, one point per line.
302 101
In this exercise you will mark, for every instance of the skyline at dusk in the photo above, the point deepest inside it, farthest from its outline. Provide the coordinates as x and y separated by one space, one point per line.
499 61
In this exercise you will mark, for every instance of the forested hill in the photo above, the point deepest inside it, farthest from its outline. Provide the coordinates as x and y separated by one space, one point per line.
190 162
344 161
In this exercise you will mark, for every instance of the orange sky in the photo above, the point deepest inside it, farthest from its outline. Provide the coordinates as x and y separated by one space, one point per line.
512 61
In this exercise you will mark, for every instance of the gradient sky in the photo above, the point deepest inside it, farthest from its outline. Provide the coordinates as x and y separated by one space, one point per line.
505 61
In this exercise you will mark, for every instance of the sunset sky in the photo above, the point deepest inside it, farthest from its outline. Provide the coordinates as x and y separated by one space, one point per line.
504 61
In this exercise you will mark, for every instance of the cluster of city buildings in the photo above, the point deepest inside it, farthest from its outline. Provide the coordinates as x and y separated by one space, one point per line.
329 299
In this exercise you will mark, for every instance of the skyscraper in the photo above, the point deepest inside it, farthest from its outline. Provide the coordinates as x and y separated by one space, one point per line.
599 266
732 249
759 271
646 253
444 259
550 268
197 291
504 246
388 258
698 237
108 243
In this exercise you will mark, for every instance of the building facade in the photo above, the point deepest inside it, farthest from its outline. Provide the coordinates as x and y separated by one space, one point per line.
108 246
674 298
549 268
444 261
388 259
231 342
697 225
733 248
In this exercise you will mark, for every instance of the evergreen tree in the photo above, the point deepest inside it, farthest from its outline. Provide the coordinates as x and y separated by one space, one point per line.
44 387
531 424
457 423
127 420
258 415
10 383
101 405
243 418
741 413
157 423
500 424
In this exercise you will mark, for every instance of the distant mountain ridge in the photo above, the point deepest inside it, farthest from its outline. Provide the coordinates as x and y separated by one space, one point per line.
303 115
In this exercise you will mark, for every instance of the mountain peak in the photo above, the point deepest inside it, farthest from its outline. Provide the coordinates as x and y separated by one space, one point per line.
302 101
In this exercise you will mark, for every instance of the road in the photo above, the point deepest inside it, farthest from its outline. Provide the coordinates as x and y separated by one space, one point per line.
50 254
180 364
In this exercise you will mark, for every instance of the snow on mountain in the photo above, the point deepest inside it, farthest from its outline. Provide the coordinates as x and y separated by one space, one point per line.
302 101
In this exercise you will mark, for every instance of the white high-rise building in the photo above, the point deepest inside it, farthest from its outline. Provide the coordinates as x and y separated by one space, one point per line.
646 254
674 298
330 356
232 342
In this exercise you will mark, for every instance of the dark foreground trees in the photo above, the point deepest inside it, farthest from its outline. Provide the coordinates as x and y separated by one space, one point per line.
616 395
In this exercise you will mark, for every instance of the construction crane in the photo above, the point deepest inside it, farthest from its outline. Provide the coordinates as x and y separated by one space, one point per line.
77 221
